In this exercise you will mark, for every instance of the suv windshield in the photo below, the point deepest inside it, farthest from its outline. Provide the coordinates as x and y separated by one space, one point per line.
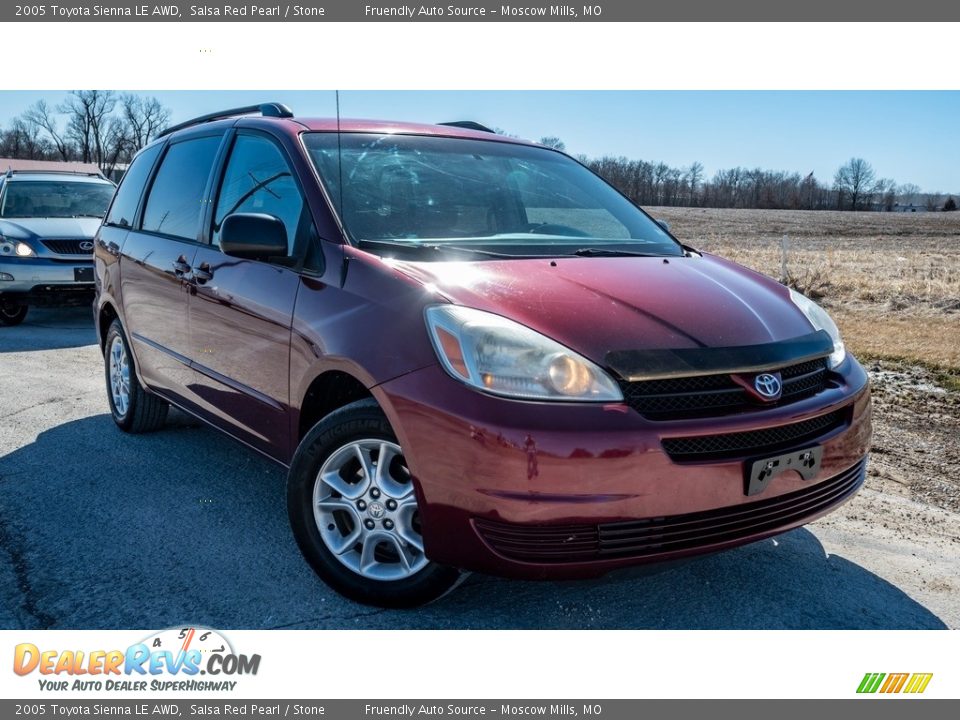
55 199
512 199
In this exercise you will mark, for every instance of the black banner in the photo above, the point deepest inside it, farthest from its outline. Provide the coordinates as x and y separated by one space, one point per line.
474 709
480 11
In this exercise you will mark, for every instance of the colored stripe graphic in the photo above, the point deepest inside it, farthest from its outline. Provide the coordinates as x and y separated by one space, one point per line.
918 683
870 682
894 683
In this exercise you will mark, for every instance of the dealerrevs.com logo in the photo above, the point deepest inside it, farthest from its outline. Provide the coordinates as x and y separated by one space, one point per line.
179 659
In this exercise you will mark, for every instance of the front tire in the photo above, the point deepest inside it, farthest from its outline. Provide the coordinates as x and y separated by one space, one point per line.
12 314
354 512
134 410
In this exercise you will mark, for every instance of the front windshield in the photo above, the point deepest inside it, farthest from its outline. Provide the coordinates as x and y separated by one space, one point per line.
55 199
509 198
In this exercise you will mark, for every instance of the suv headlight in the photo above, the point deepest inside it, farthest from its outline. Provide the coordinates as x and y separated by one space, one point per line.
500 356
819 318
15 248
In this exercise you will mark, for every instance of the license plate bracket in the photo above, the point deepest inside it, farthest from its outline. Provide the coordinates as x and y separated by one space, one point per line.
83 274
761 472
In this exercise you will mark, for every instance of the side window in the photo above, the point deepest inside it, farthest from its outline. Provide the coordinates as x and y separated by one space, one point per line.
125 202
175 204
258 180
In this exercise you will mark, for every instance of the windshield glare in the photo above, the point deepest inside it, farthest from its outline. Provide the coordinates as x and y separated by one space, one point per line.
478 194
52 199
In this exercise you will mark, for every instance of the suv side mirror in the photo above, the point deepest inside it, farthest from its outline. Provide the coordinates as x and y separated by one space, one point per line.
664 224
253 236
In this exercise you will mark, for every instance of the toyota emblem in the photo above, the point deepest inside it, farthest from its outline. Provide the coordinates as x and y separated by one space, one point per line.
86 245
768 386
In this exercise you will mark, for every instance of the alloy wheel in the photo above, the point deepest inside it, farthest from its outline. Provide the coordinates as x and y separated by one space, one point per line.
119 365
366 510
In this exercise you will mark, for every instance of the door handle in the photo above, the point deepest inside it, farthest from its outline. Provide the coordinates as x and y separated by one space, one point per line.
203 273
180 267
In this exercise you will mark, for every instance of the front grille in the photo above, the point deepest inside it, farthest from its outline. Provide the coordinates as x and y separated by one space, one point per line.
767 441
657 536
713 395
66 247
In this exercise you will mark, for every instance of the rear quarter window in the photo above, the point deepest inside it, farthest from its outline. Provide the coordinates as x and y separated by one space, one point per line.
127 198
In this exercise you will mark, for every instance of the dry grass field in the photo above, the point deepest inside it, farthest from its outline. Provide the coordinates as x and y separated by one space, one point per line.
891 280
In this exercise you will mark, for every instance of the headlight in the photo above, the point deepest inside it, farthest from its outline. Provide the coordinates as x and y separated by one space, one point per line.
819 318
15 248
503 357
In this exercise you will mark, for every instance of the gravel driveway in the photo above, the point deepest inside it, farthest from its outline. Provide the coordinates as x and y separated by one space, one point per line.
103 530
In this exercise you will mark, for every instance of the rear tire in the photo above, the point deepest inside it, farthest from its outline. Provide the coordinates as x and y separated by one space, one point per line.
12 314
354 512
134 410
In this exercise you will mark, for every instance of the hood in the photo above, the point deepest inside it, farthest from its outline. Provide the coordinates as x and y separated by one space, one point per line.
598 306
29 228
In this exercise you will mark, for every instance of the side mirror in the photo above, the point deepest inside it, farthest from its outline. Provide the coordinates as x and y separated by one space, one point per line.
253 236
664 224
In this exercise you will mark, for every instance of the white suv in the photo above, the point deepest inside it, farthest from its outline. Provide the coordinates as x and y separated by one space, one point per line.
47 224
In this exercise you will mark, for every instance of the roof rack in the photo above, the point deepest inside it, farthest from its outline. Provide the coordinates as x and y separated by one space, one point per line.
273 109
37 171
469 125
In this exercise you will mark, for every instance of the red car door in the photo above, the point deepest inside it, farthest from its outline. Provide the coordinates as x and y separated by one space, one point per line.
156 264
241 310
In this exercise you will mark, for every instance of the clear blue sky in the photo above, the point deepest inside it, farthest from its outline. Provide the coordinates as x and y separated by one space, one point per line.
908 136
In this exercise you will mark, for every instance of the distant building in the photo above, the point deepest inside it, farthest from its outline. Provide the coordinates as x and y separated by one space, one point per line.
909 207
47 166
118 171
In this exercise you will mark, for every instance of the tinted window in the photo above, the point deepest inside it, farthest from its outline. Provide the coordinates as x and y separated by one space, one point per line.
175 204
125 202
258 180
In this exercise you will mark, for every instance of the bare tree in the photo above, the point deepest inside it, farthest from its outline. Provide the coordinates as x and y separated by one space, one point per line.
552 141
99 127
118 145
886 191
854 180
88 121
145 118
24 140
647 183
42 117
693 176
908 193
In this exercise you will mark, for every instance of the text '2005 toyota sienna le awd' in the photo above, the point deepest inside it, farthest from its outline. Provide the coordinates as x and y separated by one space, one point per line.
471 352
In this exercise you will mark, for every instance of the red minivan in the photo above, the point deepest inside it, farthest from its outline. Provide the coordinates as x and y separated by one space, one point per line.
471 353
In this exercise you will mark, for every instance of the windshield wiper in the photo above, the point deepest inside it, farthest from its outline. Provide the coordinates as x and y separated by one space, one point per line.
609 252
439 248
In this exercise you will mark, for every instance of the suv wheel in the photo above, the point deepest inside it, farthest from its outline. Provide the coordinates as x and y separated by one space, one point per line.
354 512
134 410
12 314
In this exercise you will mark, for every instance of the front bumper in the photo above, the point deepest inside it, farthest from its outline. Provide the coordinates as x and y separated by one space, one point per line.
545 490
43 281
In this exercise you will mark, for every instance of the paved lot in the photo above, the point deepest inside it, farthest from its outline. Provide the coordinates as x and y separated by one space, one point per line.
102 530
